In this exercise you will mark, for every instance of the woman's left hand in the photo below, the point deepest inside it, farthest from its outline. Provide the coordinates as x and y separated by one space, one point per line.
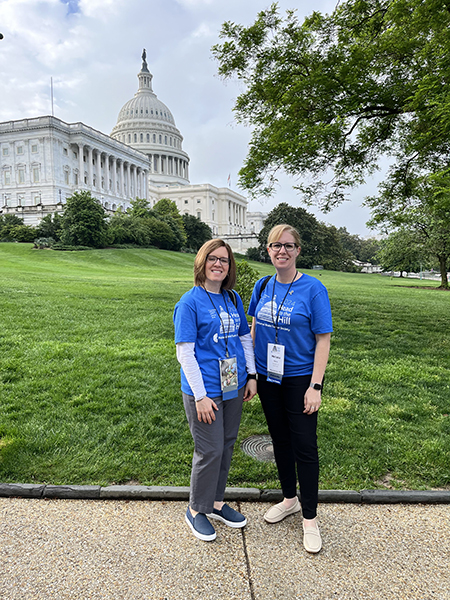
250 390
313 400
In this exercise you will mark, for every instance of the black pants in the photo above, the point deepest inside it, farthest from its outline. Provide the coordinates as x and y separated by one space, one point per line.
294 437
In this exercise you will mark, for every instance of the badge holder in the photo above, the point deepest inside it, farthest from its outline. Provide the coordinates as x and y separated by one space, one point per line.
275 363
228 377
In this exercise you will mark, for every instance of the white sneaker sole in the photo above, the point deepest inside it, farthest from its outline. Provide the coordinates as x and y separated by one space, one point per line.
229 523
200 536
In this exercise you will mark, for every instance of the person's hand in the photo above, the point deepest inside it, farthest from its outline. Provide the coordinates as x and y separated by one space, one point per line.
250 390
313 400
205 410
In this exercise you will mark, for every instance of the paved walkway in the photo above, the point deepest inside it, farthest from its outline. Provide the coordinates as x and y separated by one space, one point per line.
143 550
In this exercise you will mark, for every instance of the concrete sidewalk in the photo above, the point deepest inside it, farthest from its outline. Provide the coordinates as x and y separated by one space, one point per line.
143 550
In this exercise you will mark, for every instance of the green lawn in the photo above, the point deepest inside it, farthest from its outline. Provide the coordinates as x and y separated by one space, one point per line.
89 382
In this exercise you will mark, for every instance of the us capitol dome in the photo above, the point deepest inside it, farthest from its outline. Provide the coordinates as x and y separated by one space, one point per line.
146 124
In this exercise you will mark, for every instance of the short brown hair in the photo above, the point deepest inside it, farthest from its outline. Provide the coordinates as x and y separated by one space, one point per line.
276 232
200 262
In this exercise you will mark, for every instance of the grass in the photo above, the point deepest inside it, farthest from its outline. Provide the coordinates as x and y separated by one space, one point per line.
89 382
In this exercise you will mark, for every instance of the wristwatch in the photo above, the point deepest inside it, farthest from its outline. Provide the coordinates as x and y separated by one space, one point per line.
316 386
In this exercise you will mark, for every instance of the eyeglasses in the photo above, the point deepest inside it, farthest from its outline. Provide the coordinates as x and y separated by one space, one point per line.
213 259
289 247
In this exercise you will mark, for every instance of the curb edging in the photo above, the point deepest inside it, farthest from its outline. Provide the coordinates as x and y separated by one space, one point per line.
142 492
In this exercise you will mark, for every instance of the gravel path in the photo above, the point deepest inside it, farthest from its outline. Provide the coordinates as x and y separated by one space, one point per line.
84 549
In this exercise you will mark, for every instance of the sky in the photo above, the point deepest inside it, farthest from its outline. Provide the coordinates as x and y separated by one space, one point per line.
92 49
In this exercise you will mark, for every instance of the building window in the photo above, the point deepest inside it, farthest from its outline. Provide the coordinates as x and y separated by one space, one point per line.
5 151
21 175
76 178
19 149
66 177
154 138
198 201
165 140
148 137
186 201
170 141
142 137
75 155
160 139
129 138
65 151
135 137
37 200
7 177
199 215
34 148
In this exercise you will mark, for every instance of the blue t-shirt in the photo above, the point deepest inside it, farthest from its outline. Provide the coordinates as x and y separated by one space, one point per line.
304 312
196 319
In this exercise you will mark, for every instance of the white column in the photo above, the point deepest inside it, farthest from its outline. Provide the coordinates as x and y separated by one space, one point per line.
114 175
80 165
135 181
128 180
90 178
99 170
121 180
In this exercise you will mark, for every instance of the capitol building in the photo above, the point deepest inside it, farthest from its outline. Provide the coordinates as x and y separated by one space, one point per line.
43 160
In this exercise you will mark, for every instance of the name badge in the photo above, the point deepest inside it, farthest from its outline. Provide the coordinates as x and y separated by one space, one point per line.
275 362
228 377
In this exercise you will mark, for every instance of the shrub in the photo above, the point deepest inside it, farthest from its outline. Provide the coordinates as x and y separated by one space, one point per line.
246 277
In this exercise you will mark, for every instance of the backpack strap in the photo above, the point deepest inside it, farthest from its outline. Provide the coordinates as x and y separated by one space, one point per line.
232 295
263 285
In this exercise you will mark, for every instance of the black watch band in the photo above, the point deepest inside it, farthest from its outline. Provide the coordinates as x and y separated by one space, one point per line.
251 376
316 386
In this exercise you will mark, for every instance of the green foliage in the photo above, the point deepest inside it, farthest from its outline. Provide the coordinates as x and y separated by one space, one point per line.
84 222
362 249
246 277
139 208
338 91
50 227
401 252
22 233
7 223
43 243
320 243
197 232
167 211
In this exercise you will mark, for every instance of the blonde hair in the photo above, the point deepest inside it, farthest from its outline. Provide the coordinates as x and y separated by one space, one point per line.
276 232
200 263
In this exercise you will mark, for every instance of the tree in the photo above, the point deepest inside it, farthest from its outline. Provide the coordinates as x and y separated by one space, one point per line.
50 227
23 233
335 93
7 223
246 277
166 210
197 232
329 97
401 252
84 222
419 204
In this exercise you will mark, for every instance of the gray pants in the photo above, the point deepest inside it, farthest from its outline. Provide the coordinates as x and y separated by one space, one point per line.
213 449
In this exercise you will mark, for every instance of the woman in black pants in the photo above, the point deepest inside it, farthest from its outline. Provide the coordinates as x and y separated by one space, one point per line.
291 330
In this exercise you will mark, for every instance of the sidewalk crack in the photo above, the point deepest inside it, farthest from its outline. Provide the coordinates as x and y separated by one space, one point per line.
247 560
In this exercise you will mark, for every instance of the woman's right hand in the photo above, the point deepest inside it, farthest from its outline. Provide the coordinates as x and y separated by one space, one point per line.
205 410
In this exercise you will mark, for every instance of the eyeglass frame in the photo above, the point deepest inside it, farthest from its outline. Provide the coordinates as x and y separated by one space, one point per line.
283 246
213 259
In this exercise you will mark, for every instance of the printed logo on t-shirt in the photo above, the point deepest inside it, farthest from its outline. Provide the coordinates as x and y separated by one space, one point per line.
269 311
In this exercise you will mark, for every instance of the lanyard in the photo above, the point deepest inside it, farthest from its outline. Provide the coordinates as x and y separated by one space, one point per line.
223 326
275 323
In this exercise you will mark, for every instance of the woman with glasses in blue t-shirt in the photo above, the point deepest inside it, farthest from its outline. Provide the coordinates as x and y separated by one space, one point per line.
215 350
291 330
